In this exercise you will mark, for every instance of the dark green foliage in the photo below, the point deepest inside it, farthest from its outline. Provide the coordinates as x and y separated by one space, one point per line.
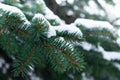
101 69
27 41
102 36
24 36
70 36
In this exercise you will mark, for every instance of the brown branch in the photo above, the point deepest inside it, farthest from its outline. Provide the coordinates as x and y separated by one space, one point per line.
64 53
15 20
68 56
54 56
17 30
40 62
21 31
39 27
29 56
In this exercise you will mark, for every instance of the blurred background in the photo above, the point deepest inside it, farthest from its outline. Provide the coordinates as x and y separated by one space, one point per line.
103 10
99 66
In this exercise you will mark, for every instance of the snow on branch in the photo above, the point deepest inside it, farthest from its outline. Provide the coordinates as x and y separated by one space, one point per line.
109 55
44 23
88 23
11 10
69 28
61 28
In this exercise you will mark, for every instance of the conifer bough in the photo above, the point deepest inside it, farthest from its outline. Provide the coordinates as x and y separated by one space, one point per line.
35 41
38 39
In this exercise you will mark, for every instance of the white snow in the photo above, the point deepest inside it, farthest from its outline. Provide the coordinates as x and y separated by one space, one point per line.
75 7
53 17
71 76
26 24
2 61
40 17
61 2
109 55
61 38
1 0
0 15
82 15
88 23
85 77
10 9
118 32
69 28
6 66
117 65
118 41
70 1
48 13
51 31
29 4
63 27
92 8
113 12
117 22
70 12
86 46
33 76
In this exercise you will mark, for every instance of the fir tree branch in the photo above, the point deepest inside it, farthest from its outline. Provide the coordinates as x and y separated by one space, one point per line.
72 60
47 47
23 32
69 36
39 62
13 29
28 58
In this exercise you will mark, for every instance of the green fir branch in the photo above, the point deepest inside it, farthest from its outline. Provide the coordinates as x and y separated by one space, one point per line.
70 36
